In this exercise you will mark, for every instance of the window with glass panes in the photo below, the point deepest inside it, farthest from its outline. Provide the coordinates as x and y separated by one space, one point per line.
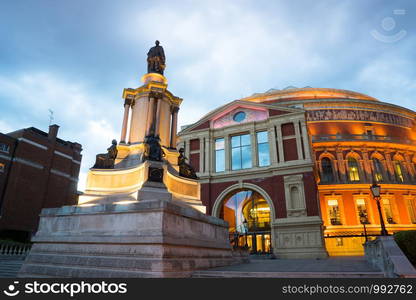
334 213
263 148
388 211
219 155
362 211
241 152
399 171
353 172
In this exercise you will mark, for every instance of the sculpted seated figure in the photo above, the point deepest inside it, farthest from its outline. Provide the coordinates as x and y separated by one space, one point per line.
185 169
106 160
153 149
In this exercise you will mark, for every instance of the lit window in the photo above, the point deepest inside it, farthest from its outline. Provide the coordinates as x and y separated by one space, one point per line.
4 147
219 155
362 211
388 212
353 173
241 152
263 148
378 170
327 173
399 171
334 213
1 168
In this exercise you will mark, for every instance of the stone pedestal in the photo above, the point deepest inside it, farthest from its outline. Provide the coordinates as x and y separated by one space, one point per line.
298 237
151 238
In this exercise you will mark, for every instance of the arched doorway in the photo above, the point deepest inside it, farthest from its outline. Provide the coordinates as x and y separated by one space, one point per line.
248 215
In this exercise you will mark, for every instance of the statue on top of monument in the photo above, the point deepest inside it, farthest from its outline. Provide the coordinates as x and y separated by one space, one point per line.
156 59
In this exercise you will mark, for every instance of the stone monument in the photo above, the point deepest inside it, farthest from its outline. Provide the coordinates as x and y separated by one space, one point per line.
138 217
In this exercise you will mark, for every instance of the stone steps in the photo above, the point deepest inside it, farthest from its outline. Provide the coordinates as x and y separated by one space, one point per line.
96 266
10 266
332 267
237 274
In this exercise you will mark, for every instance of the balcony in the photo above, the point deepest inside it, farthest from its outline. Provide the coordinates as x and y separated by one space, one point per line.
360 137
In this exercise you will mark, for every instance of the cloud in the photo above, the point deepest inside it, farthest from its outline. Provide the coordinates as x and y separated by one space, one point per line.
84 115
5 127
390 79
217 51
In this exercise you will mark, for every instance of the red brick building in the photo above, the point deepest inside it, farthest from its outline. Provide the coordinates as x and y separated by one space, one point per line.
256 171
37 170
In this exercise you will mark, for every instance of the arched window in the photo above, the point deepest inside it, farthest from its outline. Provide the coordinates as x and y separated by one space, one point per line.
353 173
398 170
378 170
295 198
327 173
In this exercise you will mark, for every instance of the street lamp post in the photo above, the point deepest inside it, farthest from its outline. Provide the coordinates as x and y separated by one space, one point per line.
363 220
375 190
245 232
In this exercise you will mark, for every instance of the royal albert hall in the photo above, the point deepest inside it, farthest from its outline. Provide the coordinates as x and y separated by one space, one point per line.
291 169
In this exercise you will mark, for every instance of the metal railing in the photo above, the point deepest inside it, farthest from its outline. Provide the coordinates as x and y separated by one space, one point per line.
14 248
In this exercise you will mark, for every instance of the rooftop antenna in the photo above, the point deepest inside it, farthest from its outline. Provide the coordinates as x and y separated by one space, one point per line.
50 116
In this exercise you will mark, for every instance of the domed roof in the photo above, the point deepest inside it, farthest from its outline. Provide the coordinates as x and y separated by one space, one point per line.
293 93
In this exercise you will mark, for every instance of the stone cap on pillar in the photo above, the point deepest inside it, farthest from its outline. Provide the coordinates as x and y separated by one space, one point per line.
155 77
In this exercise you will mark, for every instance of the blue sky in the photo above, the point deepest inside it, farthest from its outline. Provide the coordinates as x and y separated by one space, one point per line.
75 57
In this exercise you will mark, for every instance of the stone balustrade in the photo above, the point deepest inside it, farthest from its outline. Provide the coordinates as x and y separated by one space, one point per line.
385 254
14 249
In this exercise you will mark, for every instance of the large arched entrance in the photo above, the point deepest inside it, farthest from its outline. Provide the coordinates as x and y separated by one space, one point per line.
248 215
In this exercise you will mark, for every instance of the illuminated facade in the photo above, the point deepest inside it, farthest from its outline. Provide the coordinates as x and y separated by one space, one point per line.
256 172
353 140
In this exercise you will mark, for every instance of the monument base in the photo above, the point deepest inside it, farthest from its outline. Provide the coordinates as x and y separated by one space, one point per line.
153 238
299 237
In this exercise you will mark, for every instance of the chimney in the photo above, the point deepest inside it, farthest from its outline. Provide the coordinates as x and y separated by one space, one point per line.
53 132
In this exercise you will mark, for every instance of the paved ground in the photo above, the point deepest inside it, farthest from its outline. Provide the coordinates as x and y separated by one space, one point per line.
339 267
332 264
9 266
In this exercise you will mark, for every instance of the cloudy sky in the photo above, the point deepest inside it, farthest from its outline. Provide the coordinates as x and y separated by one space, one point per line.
75 57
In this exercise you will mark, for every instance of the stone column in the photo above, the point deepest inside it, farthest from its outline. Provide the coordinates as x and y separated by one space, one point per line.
390 167
188 148
254 150
157 118
165 122
305 138
336 172
409 165
272 146
361 170
342 168
208 167
134 126
280 143
202 166
367 166
227 152
150 123
127 103
174 127
298 140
